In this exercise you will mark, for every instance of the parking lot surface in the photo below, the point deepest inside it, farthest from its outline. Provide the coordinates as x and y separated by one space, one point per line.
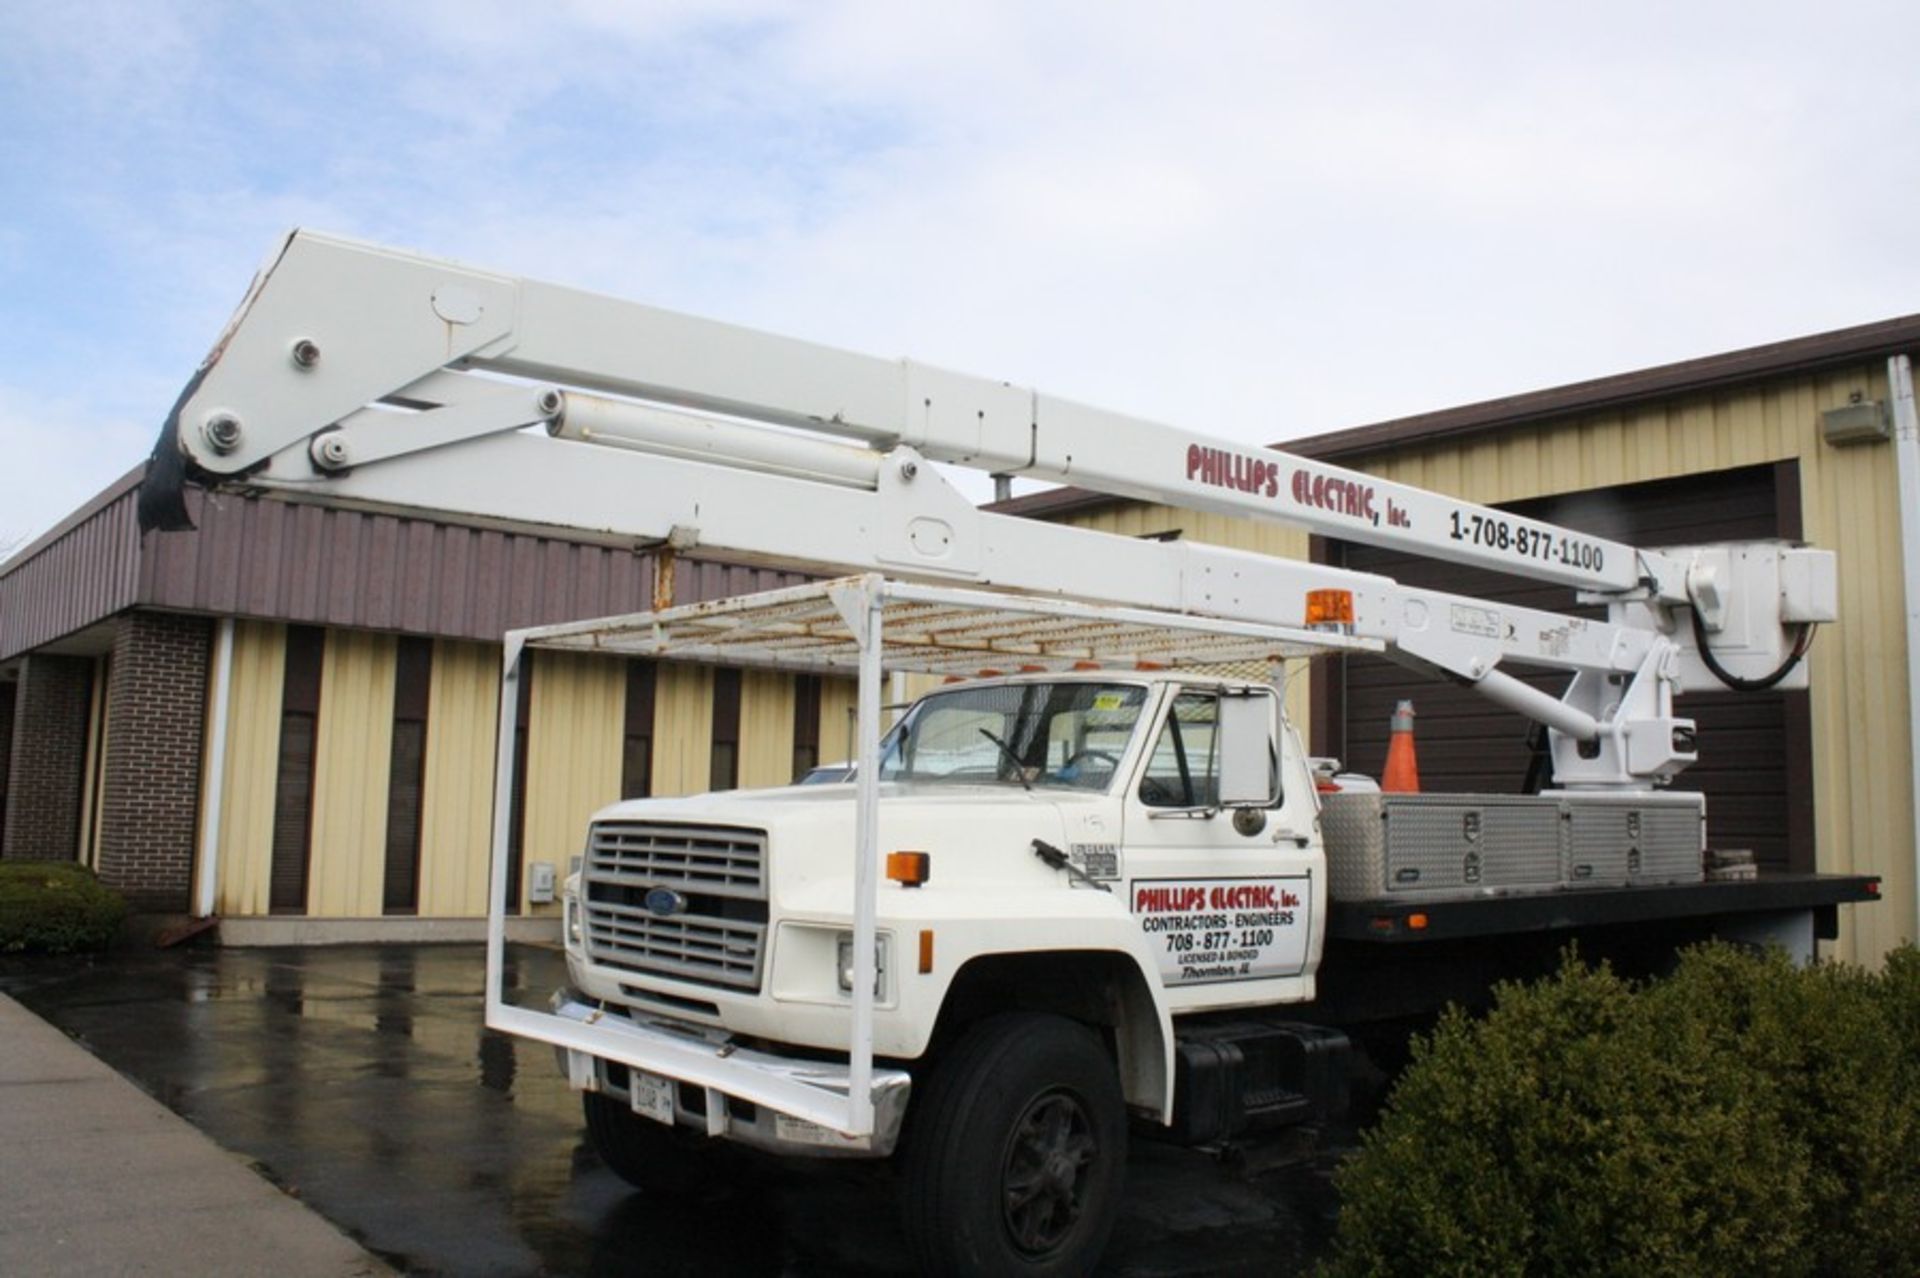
361 1079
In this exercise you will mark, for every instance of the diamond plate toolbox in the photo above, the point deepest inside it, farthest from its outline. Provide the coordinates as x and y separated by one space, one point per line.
1439 845
1635 839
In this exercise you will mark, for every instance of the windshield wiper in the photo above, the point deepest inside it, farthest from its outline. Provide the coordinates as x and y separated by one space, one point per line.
1019 768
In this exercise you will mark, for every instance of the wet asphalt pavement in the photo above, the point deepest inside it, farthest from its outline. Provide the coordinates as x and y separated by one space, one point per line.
360 1078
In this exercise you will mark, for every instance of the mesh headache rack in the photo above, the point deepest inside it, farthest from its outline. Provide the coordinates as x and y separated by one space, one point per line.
938 630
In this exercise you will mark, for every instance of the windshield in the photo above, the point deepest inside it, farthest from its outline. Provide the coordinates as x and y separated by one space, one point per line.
1059 735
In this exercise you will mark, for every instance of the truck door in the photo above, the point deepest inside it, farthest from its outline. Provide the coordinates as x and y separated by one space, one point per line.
1225 908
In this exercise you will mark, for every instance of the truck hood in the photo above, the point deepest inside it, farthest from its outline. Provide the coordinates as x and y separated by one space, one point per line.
976 836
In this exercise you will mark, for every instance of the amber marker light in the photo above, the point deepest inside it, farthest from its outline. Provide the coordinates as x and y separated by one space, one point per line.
1417 922
1329 608
926 951
909 869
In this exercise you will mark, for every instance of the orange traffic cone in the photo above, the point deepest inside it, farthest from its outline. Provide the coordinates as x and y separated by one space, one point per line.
1402 775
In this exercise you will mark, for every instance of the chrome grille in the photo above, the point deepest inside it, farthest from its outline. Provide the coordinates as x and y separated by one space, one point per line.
715 859
705 951
718 933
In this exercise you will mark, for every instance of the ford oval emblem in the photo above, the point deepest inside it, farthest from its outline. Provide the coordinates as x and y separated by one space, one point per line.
665 902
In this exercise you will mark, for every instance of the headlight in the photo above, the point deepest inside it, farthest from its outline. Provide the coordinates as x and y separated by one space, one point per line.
845 947
576 937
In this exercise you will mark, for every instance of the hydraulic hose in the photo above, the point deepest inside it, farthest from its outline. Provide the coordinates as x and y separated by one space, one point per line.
1734 681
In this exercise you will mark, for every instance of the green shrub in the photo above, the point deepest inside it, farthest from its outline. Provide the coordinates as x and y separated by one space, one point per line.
56 907
1833 1051
1741 1117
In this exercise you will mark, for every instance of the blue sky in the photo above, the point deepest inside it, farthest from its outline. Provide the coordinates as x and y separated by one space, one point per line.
1261 219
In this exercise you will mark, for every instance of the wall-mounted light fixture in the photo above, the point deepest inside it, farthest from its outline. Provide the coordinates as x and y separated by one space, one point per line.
1859 421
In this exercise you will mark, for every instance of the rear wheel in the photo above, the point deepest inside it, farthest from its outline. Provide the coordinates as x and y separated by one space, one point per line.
666 1161
1017 1154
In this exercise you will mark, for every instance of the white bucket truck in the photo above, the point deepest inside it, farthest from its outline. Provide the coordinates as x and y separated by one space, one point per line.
1104 887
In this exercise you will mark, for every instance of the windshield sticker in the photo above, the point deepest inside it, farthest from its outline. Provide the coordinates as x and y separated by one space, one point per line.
1204 931
1110 701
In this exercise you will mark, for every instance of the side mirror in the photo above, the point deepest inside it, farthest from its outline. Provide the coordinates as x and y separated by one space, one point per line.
1248 777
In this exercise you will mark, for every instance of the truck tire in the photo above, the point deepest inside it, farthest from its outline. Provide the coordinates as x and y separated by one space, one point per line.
1016 1152
664 1161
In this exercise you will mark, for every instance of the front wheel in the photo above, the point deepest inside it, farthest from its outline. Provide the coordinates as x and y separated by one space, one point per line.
1017 1151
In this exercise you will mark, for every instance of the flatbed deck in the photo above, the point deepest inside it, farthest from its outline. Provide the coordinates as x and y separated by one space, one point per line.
1404 921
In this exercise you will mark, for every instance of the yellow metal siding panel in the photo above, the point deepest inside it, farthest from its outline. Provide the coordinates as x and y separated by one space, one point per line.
353 760
766 728
253 765
463 710
574 741
1863 809
839 702
682 729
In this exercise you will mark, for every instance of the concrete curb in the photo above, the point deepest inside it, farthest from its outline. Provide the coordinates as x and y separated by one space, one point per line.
97 1177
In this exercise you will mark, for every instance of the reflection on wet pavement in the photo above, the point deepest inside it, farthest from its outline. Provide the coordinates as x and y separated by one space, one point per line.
361 1079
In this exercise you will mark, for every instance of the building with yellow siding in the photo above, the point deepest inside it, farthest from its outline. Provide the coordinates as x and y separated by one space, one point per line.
286 717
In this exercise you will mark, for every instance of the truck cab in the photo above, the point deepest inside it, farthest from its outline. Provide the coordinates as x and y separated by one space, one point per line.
1073 860
1072 815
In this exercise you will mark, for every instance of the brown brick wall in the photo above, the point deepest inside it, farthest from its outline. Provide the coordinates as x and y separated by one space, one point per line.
150 802
48 758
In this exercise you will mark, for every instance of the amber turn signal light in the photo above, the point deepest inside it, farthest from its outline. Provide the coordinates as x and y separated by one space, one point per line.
1329 607
910 869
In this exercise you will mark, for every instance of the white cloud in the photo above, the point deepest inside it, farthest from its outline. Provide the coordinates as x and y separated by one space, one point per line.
1262 219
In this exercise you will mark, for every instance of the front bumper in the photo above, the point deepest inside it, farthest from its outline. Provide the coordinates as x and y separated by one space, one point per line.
730 1092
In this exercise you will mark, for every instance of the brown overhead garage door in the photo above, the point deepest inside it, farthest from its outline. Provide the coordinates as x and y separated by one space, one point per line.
1755 753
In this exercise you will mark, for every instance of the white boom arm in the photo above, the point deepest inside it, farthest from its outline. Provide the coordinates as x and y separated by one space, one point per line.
398 381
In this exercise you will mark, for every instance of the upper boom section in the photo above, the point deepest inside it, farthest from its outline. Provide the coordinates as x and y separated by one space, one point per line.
398 382
333 329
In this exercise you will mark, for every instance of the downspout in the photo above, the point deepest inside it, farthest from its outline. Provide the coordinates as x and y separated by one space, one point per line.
1906 451
207 872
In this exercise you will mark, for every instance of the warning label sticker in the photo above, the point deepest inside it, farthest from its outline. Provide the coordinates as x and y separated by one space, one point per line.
1099 860
1208 930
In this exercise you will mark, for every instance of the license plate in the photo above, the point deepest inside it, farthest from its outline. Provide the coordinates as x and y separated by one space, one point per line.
652 1096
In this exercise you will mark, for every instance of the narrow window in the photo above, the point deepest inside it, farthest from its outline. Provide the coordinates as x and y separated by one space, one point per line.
806 724
293 789
725 771
407 774
517 832
636 756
